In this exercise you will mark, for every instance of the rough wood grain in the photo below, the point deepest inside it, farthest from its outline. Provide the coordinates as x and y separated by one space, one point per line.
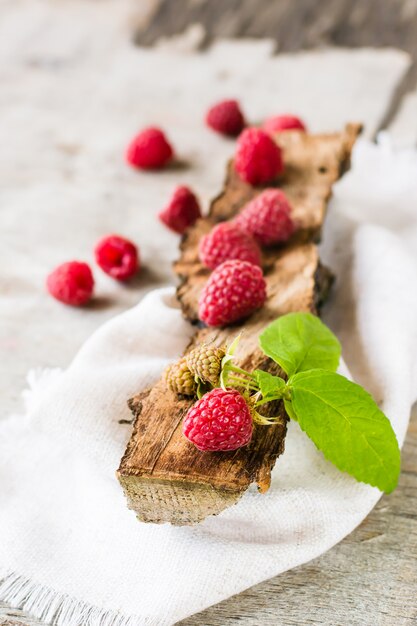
164 477
312 165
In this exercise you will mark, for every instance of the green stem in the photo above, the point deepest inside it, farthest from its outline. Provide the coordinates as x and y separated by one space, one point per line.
265 401
283 395
238 370
242 382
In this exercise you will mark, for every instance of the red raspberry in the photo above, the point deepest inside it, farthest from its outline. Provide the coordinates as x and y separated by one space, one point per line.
221 420
226 118
279 123
149 150
233 291
71 283
182 211
267 217
118 257
258 159
227 241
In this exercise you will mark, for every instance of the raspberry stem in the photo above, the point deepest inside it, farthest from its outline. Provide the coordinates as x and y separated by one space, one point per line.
266 421
241 382
239 370
283 394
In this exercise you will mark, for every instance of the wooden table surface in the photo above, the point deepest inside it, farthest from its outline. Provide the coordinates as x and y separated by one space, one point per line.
370 578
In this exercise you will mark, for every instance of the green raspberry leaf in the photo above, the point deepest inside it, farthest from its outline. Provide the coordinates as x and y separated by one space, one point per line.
299 342
345 423
271 387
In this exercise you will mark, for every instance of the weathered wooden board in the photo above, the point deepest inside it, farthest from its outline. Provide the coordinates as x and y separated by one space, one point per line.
312 164
294 26
164 477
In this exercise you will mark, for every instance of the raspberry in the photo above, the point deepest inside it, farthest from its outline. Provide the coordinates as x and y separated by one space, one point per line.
179 379
221 420
227 241
279 123
258 159
267 217
71 283
182 211
233 291
226 118
118 257
205 362
149 150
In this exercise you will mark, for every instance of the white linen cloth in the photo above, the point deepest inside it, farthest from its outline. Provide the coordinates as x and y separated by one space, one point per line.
70 550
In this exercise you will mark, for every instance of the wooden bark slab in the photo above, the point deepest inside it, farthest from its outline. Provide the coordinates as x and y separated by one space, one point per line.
165 478
312 164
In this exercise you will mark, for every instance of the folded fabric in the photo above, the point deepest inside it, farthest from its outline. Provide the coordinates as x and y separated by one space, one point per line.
70 550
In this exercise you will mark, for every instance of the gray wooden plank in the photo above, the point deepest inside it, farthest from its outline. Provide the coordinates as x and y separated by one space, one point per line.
295 26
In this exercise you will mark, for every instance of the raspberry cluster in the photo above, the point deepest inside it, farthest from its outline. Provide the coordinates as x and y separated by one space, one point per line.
72 282
221 420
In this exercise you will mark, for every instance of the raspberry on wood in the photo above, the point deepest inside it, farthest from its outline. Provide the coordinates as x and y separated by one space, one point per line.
234 290
205 362
179 378
226 118
117 256
182 211
267 217
220 421
258 159
227 241
280 123
71 283
149 150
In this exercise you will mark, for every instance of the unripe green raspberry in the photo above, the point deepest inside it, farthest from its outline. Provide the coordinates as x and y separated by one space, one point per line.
205 362
179 379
